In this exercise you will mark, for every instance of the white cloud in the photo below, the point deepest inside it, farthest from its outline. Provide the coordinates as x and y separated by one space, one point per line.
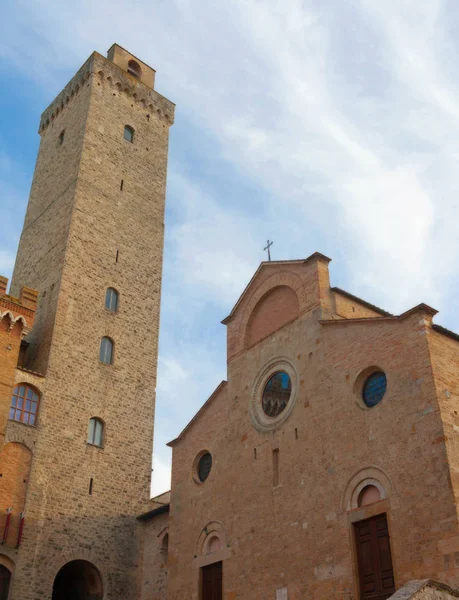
337 124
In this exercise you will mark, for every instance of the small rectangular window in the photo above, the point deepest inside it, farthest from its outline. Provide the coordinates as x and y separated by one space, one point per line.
129 133
90 486
276 467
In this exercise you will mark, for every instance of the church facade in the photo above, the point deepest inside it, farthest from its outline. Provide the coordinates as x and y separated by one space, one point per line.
324 467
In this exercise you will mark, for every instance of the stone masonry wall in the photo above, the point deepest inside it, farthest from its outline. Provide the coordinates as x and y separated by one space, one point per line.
83 233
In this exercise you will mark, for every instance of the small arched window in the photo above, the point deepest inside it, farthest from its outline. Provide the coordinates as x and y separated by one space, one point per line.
111 300
106 350
96 432
134 69
24 404
129 133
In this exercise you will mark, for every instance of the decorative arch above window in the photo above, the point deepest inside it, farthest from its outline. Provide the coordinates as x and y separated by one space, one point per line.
106 350
96 432
369 495
24 404
111 299
134 69
129 133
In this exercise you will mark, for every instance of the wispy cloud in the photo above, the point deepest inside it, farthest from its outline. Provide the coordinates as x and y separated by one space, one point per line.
325 126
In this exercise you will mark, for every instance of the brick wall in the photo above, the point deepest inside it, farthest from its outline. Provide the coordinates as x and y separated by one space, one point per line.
297 537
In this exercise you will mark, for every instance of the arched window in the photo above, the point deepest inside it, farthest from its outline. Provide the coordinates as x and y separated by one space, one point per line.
24 404
111 300
129 133
134 69
96 432
106 350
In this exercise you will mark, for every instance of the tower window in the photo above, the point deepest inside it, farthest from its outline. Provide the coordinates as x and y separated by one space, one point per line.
134 69
24 404
129 133
61 137
96 432
106 350
111 300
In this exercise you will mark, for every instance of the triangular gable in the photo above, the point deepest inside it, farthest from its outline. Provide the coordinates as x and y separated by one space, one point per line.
271 264
203 408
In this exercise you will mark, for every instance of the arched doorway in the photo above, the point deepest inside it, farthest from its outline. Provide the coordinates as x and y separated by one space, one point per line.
5 577
78 580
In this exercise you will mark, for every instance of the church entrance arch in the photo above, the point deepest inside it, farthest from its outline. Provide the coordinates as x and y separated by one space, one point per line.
5 578
78 580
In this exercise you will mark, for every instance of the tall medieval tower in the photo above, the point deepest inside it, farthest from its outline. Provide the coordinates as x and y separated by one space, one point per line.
92 245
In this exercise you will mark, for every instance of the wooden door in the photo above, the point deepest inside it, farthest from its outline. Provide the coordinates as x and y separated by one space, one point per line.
376 575
5 577
212 582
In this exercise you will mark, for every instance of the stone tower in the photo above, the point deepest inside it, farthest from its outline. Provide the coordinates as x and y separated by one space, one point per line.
92 245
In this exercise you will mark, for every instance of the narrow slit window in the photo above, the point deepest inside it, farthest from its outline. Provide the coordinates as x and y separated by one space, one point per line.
106 351
117 256
276 467
111 300
129 133
122 184
90 486
61 137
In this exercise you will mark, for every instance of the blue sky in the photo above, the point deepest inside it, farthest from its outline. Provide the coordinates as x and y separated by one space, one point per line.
322 125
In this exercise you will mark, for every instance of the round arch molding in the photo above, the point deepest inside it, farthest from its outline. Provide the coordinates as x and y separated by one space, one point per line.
371 475
212 545
284 279
78 580
86 556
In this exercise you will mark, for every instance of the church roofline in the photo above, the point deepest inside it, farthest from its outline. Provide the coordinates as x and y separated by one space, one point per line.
360 301
420 308
315 256
198 414
154 513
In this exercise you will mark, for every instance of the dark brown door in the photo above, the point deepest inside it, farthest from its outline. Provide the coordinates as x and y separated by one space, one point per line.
212 582
5 577
376 575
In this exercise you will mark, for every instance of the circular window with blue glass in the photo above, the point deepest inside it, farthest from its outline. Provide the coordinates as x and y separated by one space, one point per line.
374 388
276 394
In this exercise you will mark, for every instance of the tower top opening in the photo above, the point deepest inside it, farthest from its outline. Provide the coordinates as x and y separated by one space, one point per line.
132 65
